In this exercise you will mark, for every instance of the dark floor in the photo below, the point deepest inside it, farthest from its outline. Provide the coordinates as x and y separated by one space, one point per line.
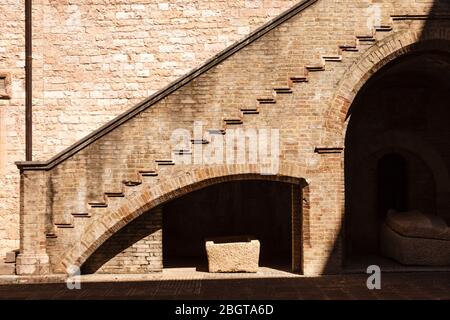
420 285
360 263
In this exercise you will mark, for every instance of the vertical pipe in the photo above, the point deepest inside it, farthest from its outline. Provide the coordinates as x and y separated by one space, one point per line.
28 81
293 245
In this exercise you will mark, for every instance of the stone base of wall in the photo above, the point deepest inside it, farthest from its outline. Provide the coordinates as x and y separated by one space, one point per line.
137 248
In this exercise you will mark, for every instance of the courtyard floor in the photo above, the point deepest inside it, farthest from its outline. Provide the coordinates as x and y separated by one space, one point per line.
267 284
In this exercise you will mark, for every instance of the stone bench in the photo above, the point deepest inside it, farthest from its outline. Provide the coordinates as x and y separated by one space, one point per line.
415 238
233 254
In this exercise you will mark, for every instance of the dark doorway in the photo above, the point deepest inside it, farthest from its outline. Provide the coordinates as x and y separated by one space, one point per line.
258 208
396 130
392 184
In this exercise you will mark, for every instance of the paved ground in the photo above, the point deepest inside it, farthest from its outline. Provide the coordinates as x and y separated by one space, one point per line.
420 285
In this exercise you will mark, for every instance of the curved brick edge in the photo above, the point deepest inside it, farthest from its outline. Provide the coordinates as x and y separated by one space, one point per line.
103 228
379 55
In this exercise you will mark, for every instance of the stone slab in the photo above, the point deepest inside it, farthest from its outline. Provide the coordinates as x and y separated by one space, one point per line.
10 257
418 225
7 268
233 254
414 251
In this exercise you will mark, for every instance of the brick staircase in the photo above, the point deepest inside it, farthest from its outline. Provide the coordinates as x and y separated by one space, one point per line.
296 83
8 263
145 176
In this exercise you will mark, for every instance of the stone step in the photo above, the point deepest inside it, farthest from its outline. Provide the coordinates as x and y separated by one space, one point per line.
328 150
10 256
349 48
182 152
7 268
114 194
315 68
366 39
81 215
266 101
64 225
98 204
148 173
51 235
199 141
332 58
283 90
383 28
131 183
233 121
165 162
298 79
217 131
250 111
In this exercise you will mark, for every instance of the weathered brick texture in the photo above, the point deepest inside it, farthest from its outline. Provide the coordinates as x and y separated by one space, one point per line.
323 55
137 248
94 59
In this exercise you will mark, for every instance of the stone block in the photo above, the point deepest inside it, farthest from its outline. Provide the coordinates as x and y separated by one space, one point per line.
105 72
418 225
414 251
233 254
10 257
7 268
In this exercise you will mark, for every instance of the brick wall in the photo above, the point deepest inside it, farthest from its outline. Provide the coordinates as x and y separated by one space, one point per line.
11 120
310 115
100 58
137 248
94 59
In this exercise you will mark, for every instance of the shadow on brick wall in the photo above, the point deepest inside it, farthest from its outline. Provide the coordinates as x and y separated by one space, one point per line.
398 115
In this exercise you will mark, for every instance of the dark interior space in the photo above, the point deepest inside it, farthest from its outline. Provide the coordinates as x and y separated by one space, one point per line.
258 208
398 130
392 184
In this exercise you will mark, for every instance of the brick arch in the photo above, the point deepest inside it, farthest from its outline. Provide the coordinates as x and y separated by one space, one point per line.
166 190
375 58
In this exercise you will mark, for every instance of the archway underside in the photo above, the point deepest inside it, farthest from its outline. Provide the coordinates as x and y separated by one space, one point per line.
396 148
173 235
397 46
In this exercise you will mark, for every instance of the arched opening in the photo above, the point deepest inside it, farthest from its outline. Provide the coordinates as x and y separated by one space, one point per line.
256 208
386 167
173 234
392 184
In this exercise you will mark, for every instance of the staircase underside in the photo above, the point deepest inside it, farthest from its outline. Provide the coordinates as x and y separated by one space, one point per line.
279 77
